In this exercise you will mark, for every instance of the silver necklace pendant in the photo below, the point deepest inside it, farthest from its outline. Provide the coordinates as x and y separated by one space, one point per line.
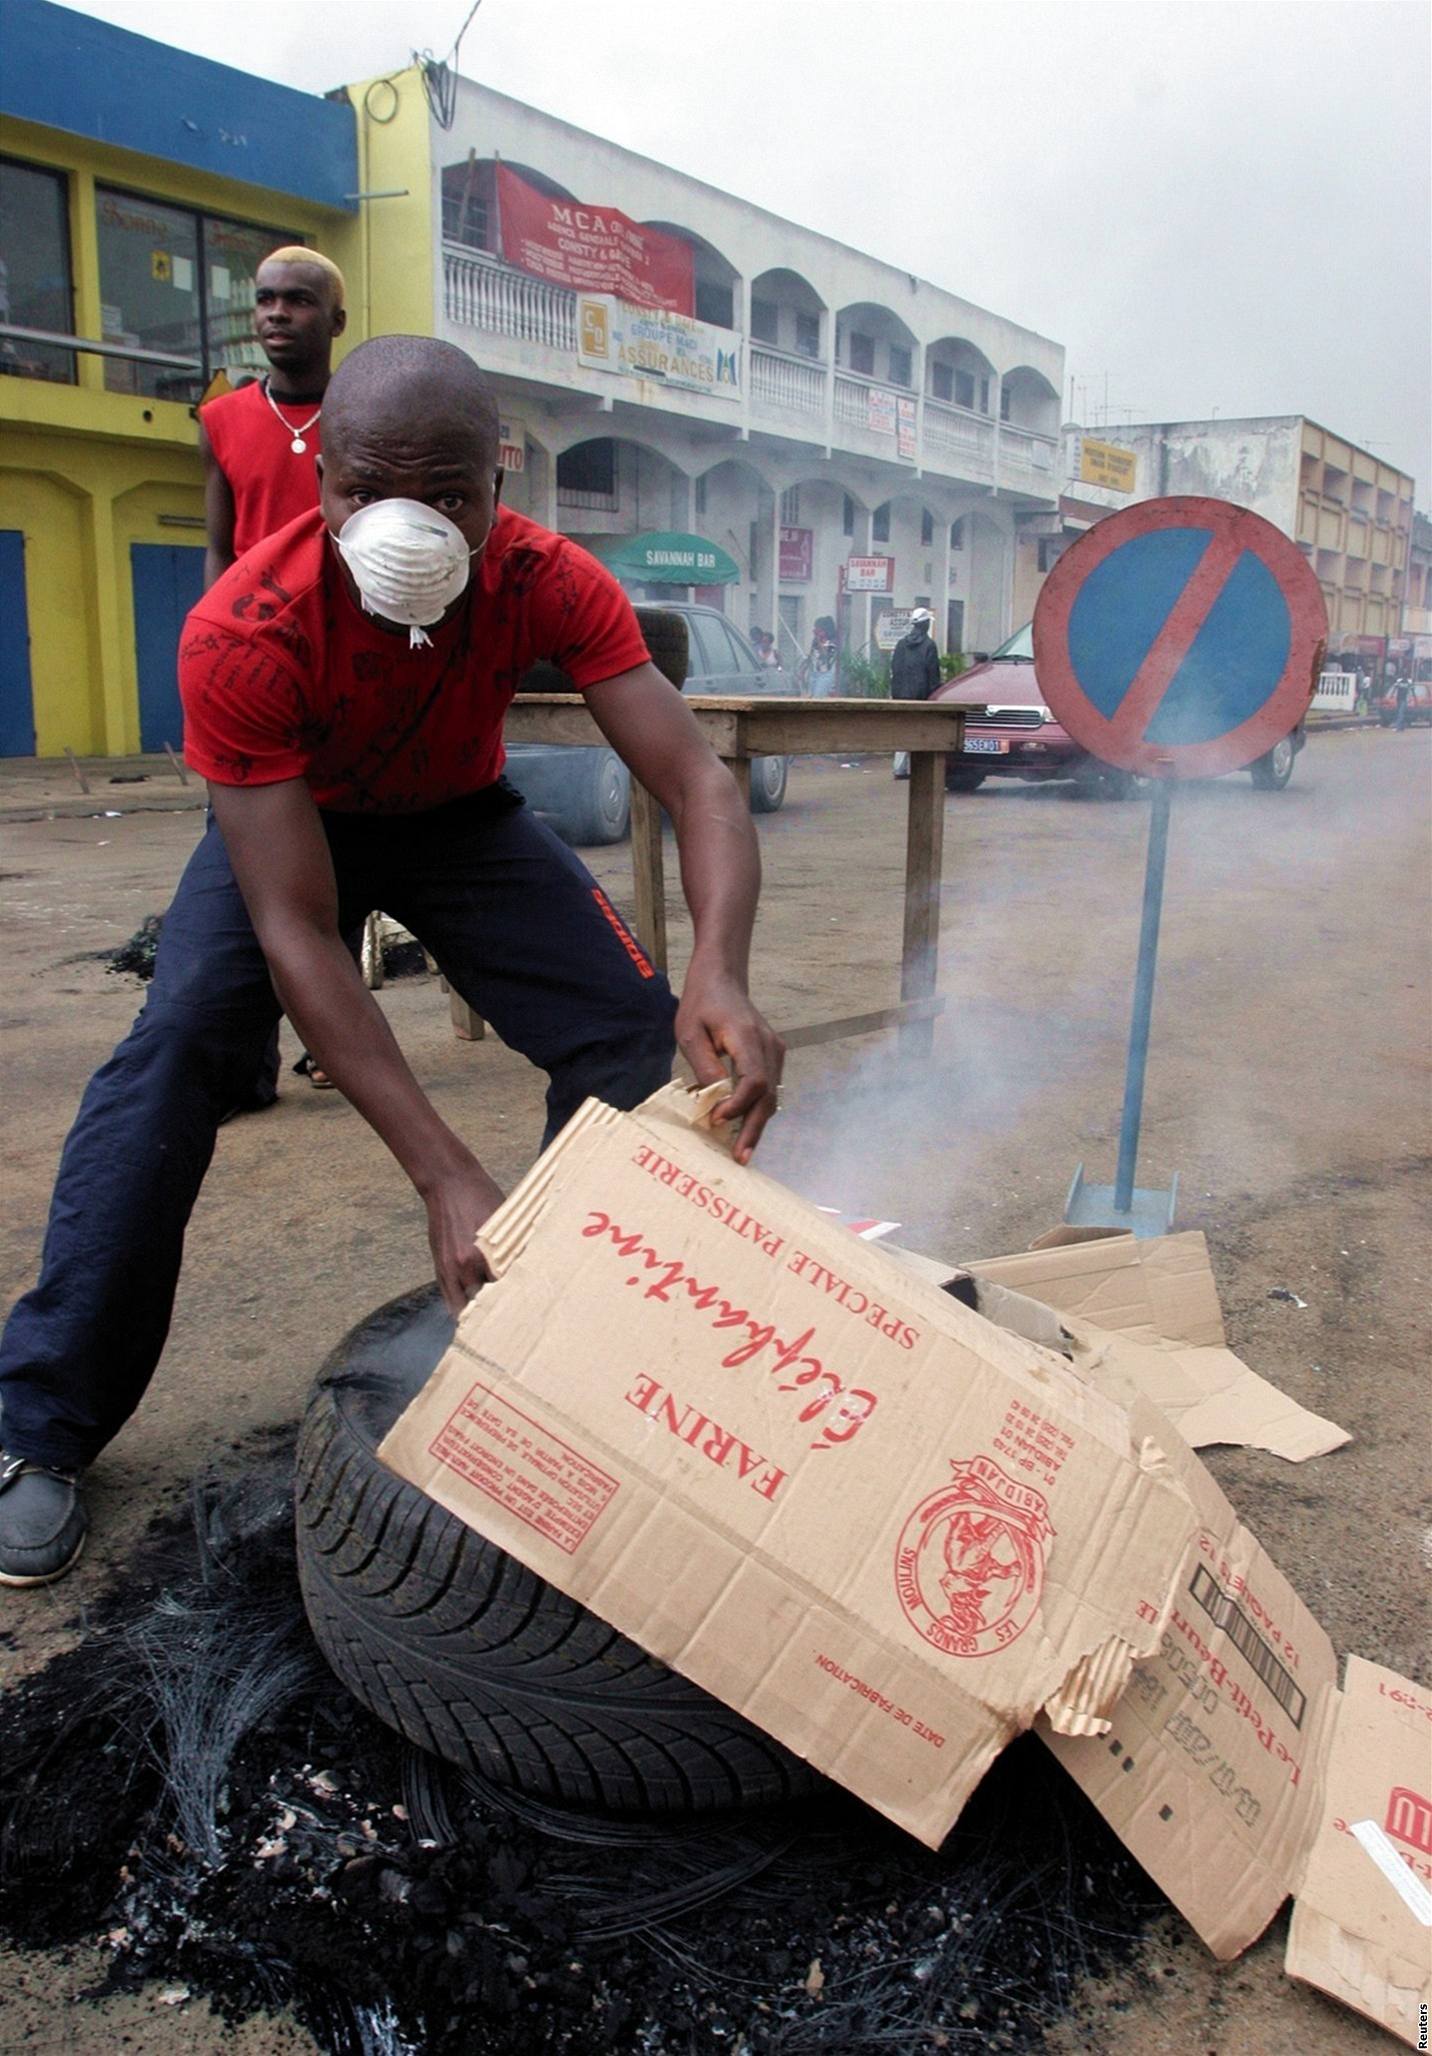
298 446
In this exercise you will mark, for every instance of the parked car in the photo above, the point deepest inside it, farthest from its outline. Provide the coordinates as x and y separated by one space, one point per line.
1015 735
1419 704
586 793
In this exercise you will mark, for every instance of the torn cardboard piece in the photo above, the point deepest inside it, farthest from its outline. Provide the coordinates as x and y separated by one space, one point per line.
1237 1774
1144 1316
883 1529
1362 1920
1209 1773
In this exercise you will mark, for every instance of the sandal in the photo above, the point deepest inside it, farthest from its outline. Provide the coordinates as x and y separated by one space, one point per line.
319 1080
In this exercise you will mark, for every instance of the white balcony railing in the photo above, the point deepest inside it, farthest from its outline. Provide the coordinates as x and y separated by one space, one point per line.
789 384
956 433
1023 449
483 293
478 292
868 403
588 500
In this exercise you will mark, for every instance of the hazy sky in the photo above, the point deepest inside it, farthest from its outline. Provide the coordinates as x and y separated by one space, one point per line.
1214 206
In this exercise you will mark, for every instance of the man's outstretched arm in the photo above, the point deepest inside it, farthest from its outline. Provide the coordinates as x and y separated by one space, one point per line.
652 729
280 857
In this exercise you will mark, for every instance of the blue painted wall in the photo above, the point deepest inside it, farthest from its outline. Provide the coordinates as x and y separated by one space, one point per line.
69 71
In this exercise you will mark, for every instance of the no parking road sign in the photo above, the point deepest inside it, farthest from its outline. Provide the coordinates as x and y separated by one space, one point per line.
1180 638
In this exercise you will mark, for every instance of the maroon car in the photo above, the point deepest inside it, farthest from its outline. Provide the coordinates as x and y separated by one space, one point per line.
1014 735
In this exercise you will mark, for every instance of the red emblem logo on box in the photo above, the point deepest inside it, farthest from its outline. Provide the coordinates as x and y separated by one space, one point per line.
969 1565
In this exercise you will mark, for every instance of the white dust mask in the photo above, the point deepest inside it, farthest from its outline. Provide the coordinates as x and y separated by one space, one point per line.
408 561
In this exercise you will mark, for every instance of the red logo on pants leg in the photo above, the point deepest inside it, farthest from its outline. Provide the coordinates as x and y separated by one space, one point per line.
969 1565
628 941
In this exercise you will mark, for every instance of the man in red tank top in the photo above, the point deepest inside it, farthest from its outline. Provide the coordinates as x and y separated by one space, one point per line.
260 447
260 444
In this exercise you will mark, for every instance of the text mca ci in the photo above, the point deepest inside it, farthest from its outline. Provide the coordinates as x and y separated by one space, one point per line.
1180 638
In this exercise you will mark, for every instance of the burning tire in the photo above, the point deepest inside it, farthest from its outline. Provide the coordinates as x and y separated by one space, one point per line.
465 1651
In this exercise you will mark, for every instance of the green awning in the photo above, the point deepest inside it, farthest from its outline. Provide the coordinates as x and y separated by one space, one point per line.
661 558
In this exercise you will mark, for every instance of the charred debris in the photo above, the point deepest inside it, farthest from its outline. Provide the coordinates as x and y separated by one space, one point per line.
193 1789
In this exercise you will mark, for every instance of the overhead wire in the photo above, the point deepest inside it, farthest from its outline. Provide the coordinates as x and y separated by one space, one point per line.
440 74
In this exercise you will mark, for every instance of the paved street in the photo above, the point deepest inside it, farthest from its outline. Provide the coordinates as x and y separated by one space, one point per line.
1287 1087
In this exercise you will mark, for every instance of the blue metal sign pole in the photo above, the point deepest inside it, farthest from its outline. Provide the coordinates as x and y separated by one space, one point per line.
1143 998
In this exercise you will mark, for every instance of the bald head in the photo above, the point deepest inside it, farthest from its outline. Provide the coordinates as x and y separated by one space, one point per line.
410 418
415 392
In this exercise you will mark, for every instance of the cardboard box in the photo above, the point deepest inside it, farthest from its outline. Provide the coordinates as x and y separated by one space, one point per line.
1146 1314
893 1533
885 1530
1362 1920
1237 1773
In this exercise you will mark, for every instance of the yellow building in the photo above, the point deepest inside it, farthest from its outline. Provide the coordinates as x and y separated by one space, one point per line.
139 189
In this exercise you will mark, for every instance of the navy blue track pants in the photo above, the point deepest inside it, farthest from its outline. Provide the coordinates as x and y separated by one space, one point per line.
519 929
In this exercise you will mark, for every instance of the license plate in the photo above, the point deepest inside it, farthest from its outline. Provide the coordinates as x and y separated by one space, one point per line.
984 746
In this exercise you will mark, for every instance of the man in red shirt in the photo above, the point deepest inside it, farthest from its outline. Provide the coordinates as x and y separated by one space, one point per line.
260 447
344 686
261 444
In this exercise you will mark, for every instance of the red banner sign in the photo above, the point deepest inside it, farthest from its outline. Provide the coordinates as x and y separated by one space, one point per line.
797 548
593 249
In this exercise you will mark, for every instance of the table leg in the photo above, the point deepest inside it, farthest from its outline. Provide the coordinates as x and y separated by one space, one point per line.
740 770
924 860
648 874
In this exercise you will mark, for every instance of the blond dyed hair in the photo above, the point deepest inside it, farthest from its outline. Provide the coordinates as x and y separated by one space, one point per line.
299 253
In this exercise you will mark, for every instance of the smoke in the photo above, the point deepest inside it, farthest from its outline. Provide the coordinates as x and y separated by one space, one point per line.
1288 932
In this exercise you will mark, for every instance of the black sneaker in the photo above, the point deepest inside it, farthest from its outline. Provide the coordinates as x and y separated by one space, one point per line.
42 1522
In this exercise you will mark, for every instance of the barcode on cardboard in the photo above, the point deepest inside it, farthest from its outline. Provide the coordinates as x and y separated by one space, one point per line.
1225 1613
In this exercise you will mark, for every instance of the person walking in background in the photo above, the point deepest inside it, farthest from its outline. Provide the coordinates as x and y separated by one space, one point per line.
914 671
820 674
764 644
1402 699
260 447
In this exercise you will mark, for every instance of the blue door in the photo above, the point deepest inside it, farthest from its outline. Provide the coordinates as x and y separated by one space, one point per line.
167 580
17 703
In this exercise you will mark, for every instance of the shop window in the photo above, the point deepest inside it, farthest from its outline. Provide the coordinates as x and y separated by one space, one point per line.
149 293
942 381
900 365
714 304
808 334
467 208
964 389
590 468
233 252
847 516
927 527
765 321
880 524
861 351
34 272
174 281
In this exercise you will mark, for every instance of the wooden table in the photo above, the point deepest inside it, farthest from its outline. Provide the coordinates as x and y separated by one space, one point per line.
741 728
